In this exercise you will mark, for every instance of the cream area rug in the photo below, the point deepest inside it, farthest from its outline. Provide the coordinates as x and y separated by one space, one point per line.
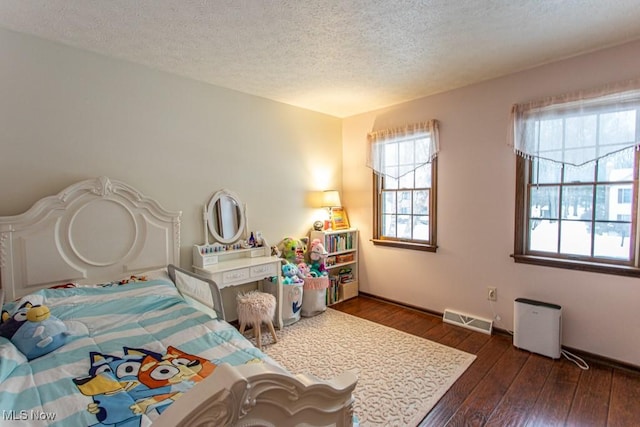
400 376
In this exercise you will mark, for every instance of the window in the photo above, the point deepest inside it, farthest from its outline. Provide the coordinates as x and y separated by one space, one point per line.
405 170
577 181
624 195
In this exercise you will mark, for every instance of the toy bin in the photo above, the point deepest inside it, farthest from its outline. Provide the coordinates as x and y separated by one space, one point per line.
292 299
314 300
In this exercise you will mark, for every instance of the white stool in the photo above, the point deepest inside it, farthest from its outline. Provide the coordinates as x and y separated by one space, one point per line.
255 308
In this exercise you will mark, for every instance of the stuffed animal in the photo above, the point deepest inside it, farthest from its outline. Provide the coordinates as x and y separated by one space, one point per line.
290 273
40 332
292 249
304 270
317 256
10 323
275 251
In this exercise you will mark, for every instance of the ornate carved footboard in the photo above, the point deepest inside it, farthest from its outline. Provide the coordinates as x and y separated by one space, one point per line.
263 395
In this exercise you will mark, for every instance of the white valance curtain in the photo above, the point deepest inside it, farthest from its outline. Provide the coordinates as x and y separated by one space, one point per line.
578 128
411 146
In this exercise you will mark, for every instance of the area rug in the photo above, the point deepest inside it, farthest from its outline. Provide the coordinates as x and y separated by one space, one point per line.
400 376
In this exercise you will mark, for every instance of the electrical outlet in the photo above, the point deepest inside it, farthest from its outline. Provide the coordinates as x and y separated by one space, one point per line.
492 294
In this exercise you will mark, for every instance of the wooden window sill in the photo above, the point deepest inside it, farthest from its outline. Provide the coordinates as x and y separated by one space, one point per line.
405 245
620 270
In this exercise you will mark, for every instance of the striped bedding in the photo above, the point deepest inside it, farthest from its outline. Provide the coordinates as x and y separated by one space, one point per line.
144 321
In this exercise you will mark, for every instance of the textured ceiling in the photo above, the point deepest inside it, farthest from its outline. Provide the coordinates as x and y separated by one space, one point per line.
339 57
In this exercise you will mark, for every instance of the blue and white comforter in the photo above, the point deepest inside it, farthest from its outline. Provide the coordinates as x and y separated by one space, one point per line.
110 326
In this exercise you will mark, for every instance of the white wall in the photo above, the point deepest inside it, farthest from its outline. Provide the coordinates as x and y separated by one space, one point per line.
68 115
476 191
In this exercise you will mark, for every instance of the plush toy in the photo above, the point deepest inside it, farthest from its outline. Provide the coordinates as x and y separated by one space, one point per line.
304 270
290 273
10 323
317 256
292 249
38 334
276 252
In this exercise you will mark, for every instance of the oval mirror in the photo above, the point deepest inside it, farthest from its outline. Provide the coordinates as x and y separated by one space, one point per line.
225 217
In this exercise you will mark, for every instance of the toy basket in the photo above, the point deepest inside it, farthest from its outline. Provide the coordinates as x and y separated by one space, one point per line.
291 299
314 299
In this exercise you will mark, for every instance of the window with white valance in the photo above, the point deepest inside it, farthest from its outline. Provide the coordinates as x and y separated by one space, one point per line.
577 128
405 169
398 151
577 179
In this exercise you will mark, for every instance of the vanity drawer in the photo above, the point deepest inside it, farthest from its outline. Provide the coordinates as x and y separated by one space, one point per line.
235 275
262 271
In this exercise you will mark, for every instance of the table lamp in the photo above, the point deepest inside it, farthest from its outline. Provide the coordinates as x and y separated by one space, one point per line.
330 200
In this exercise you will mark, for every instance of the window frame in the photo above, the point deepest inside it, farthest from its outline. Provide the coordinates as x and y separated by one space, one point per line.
420 245
593 264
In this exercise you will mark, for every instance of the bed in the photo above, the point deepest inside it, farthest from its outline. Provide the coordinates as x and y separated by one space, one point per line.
129 338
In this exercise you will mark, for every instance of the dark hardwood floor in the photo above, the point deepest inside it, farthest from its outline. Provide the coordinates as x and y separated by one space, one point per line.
506 386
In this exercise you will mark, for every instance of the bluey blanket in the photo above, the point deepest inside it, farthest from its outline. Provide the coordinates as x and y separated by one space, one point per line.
132 351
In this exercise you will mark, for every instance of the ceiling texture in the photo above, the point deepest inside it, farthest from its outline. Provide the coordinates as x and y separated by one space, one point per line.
338 57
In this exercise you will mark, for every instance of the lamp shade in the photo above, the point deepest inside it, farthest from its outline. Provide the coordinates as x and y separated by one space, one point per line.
331 199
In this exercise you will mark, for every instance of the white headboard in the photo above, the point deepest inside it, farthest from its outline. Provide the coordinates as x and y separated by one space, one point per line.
93 231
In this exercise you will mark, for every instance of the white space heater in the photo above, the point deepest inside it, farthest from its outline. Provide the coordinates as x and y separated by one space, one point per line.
537 327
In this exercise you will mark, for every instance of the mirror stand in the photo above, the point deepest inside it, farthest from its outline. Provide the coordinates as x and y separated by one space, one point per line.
225 220
230 261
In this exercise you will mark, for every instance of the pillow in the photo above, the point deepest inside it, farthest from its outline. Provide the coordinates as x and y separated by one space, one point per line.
146 276
33 330
64 286
160 273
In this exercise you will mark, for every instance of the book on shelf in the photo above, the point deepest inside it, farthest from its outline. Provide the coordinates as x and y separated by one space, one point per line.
333 290
338 290
339 242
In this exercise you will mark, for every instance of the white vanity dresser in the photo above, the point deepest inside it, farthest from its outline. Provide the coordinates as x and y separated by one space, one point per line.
230 261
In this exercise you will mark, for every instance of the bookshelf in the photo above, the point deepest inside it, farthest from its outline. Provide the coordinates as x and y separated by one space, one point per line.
342 262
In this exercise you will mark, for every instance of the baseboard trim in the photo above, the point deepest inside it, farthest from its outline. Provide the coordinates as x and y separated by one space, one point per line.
401 304
588 357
